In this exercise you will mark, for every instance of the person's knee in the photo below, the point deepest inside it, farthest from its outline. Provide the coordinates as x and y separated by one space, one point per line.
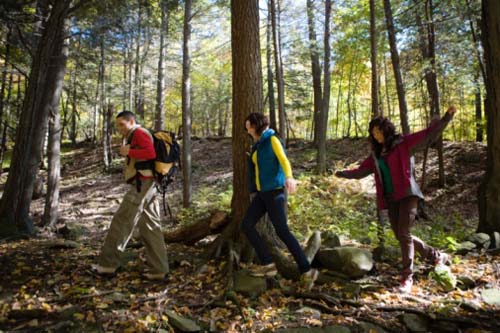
247 226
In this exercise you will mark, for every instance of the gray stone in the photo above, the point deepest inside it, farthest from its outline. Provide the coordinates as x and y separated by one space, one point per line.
352 261
491 296
370 328
465 247
414 322
326 329
330 239
310 312
445 327
481 240
249 285
465 282
181 323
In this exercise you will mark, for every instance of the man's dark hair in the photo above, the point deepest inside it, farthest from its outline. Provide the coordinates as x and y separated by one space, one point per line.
388 130
127 115
258 120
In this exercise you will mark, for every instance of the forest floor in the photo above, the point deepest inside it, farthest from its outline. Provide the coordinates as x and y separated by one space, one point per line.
47 284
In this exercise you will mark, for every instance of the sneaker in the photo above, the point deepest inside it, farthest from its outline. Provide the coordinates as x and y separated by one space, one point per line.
308 278
154 276
264 270
405 286
441 259
102 269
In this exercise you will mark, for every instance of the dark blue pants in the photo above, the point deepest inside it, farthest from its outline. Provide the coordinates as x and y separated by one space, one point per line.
274 203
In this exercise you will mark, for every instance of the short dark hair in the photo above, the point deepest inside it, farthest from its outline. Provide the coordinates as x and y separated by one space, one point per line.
259 121
388 130
127 115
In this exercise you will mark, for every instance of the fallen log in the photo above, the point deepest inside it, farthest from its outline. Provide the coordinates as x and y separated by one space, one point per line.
192 233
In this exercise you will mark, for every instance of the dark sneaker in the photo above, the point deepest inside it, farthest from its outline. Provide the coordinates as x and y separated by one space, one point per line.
264 270
308 278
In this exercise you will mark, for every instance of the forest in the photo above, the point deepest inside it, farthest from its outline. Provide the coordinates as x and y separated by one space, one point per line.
329 166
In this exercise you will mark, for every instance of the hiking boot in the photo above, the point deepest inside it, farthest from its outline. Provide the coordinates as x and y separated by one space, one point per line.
308 278
264 270
405 286
154 276
103 270
441 259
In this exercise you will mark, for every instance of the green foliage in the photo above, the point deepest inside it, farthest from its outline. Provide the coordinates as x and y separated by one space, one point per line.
444 277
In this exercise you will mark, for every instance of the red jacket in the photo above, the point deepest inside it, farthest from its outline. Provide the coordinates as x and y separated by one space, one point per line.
141 149
400 162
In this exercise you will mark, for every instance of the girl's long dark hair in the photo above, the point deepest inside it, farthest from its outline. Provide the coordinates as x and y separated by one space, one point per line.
388 130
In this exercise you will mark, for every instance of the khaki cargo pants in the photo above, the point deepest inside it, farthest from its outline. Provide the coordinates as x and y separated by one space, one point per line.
138 209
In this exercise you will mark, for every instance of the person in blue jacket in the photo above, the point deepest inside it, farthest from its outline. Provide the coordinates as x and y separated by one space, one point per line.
270 176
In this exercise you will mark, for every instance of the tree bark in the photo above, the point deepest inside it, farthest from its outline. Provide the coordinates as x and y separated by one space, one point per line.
489 198
160 83
270 75
186 108
391 33
46 78
479 111
279 74
51 213
316 71
373 58
323 124
247 96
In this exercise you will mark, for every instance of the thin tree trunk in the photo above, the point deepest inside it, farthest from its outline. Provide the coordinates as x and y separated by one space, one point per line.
373 59
45 84
104 110
270 75
387 96
403 109
186 108
279 74
160 84
479 111
3 140
4 73
489 200
137 66
316 71
321 169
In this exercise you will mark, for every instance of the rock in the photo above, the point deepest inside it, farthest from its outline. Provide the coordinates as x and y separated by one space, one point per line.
386 253
181 323
465 282
481 240
310 312
330 239
465 247
414 322
352 261
249 285
495 240
491 296
444 326
326 329
444 277
370 328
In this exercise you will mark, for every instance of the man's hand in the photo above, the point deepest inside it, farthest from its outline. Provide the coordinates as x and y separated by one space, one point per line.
124 150
452 110
290 185
339 174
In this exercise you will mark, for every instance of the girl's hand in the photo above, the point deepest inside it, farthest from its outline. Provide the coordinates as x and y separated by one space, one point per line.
452 110
290 185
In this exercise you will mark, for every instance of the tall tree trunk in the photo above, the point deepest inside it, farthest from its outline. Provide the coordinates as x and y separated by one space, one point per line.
186 108
427 47
387 95
160 84
279 74
46 79
391 33
373 59
247 95
4 73
270 75
489 200
316 71
106 128
3 139
137 66
51 215
479 111
323 124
